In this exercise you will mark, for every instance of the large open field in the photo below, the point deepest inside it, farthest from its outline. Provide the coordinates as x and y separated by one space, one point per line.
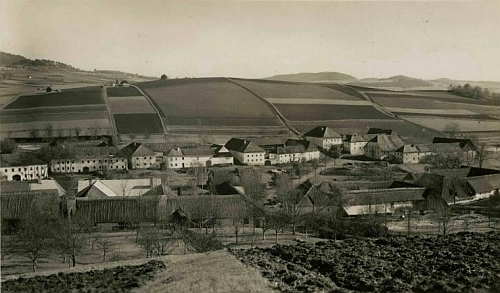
285 90
317 112
138 123
67 97
211 104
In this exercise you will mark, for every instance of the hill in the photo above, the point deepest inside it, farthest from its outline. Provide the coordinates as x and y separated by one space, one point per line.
314 77
398 81
11 60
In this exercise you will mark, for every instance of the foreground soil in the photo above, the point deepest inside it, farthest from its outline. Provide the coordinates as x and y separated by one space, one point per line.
216 271
462 262
118 279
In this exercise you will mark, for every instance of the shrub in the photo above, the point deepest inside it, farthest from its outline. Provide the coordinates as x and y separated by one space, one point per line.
198 242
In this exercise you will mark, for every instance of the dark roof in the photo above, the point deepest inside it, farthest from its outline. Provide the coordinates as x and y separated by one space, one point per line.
486 183
412 148
135 149
204 206
322 132
16 204
381 131
225 188
463 142
387 143
14 186
355 138
447 187
9 160
400 184
243 146
379 196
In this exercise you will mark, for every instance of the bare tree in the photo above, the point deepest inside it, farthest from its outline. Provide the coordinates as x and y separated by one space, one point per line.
252 183
452 128
33 133
33 239
70 240
278 221
49 129
105 245
443 217
291 203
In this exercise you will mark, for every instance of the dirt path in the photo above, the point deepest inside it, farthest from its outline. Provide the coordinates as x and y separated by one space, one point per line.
216 271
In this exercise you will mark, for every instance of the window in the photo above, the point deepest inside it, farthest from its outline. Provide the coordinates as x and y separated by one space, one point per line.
144 158
150 158
19 169
105 161
83 161
6 171
31 168
111 167
12 169
72 168
99 161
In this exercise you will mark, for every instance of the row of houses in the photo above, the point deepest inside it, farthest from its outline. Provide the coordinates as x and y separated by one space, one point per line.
381 143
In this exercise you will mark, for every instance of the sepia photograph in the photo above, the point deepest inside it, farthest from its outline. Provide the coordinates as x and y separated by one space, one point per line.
250 146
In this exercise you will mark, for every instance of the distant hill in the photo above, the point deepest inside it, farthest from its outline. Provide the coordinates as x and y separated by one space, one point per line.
314 77
12 60
398 81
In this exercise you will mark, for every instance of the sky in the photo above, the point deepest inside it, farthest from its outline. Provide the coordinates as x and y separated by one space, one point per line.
255 39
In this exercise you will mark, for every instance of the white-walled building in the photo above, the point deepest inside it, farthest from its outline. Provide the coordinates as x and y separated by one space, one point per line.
138 156
246 152
354 144
294 151
190 157
88 164
221 156
324 137
411 154
382 145
12 170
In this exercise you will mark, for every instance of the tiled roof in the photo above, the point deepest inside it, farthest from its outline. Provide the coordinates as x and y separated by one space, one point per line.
135 149
356 138
243 146
380 196
388 143
16 204
322 132
381 131
486 183
412 148
110 188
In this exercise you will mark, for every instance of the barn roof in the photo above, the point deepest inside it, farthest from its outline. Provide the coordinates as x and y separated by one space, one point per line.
381 196
204 206
413 148
486 183
355 138
387 143
322 132
381 131
243 146
17 204
135 149
115 188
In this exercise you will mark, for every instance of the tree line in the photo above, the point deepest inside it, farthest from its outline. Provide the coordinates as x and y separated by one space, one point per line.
475 92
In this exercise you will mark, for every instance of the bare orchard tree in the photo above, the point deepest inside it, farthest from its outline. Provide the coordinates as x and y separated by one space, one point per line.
105 245
77 131
33 238
278 221
33 133
50 130
254 190
70 240
443 217
452 128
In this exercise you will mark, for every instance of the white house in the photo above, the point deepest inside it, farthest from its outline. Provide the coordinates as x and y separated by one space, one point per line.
189 157
411 154
11 170
138 156
294 151
354 144
246 152
221 156
88 164
324 137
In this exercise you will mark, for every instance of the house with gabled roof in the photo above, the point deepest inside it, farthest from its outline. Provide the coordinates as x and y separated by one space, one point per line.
86 164
411 153
246 151
382 145
354 144
293 150
116 188
10 169
382 201
138 156
178 158
221 156
324 137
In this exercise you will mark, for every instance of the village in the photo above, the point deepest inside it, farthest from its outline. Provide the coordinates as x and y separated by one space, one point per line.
298 187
